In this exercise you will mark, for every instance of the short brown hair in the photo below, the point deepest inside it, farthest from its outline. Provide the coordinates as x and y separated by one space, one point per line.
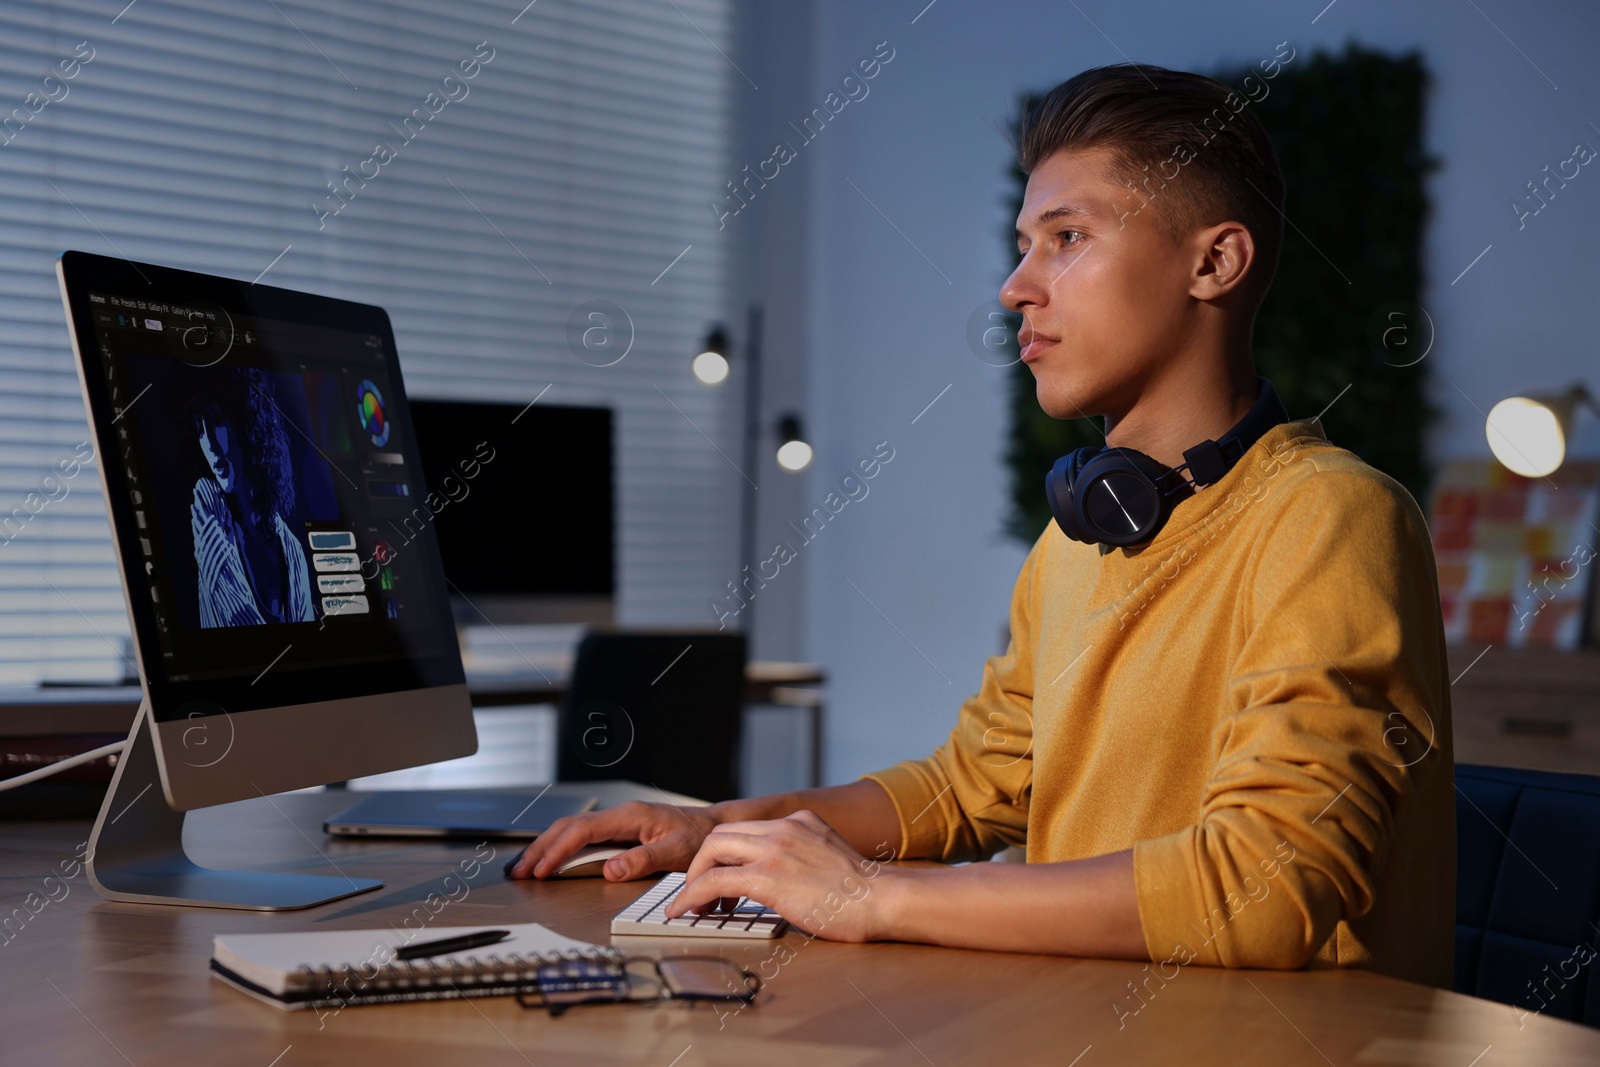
1154 119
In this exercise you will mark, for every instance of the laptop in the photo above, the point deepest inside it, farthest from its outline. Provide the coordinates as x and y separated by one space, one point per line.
456 813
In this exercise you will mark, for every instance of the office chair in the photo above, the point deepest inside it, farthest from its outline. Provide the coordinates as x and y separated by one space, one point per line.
662 709
1528 890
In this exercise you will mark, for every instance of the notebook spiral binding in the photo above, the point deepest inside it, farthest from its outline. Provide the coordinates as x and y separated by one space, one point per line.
428 974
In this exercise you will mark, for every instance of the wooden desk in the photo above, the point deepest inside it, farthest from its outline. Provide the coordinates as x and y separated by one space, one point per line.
85 982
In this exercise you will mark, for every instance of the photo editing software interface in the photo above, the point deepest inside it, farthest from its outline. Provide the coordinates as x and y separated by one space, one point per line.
276 511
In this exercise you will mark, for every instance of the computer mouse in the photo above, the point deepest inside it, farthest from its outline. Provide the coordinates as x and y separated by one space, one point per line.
588 862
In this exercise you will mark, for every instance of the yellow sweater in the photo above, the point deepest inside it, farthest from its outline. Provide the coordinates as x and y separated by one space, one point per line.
1256 702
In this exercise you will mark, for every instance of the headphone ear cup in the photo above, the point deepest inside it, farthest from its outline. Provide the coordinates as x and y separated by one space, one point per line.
1058 491
1118 499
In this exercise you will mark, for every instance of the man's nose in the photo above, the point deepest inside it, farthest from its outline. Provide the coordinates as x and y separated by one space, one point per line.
1021 289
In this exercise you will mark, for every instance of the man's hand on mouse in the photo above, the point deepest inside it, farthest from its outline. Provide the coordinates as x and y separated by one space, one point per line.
668 839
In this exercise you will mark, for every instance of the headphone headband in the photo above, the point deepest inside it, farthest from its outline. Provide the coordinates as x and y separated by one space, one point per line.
1120 496
1208 461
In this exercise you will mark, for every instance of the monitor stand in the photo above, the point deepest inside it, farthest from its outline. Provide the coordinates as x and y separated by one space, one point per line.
136 850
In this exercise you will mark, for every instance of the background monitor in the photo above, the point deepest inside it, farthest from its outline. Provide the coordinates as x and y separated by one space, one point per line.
527 515
289 613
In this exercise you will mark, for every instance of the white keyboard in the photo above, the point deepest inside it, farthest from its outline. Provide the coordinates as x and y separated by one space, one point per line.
646 916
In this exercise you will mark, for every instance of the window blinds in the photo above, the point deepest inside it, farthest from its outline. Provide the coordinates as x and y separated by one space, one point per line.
482 170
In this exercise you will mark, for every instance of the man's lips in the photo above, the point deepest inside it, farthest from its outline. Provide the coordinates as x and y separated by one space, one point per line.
1033 344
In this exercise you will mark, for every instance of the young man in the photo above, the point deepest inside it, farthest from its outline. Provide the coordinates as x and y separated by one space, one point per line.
1228 744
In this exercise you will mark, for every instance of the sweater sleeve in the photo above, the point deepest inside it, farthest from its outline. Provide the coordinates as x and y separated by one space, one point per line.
1336 694
970 798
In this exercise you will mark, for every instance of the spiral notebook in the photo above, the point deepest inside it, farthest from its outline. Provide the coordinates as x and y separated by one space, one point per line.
338 968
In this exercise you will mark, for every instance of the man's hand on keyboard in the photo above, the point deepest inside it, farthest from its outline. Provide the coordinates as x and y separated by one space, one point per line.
798 866
668 839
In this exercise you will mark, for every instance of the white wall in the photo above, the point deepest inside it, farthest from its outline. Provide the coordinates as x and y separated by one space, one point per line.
883 328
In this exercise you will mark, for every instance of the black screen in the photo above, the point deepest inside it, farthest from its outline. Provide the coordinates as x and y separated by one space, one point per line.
538 519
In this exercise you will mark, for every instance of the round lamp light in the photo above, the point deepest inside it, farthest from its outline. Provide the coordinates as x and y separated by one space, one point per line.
794 454
1529 433
711 365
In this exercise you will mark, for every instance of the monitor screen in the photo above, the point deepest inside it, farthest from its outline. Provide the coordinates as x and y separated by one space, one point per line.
538 521
277 536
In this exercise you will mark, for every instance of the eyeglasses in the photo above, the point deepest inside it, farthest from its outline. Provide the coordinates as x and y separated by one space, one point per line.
638 979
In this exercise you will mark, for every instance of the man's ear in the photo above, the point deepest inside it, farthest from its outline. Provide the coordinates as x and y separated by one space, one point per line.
1225 254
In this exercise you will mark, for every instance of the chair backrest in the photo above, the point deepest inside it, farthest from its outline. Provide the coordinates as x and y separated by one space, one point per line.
1528 890
661 709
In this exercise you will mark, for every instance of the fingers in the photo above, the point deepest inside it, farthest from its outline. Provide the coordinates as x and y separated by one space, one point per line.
673 834
723 848
523 861
711 888
584 830
806 819
567 835
742 843
634 863
559 845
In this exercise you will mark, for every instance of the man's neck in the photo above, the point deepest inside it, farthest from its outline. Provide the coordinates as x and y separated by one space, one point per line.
1182 408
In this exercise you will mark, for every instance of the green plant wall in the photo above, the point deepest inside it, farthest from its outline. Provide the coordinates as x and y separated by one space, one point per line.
1343 310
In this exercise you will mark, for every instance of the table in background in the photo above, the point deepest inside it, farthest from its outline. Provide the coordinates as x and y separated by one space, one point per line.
536 680
1535 708
87 982
501 682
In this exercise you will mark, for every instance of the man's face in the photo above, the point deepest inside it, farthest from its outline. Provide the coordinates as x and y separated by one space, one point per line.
1103 290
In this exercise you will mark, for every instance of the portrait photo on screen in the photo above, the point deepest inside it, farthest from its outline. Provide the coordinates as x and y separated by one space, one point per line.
237 482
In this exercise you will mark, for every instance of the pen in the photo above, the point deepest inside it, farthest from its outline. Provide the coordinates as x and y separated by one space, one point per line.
451 944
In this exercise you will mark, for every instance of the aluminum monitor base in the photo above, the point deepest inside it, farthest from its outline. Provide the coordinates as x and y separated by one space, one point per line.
136 850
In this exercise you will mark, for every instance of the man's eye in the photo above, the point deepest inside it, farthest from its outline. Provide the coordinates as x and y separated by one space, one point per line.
1070 237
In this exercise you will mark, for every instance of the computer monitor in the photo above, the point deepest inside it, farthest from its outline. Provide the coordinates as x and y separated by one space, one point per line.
274 533
530 537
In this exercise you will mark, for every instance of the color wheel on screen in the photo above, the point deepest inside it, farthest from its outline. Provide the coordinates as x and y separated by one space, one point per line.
369 406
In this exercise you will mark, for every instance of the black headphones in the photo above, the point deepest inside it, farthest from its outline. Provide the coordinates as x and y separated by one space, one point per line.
1120 496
